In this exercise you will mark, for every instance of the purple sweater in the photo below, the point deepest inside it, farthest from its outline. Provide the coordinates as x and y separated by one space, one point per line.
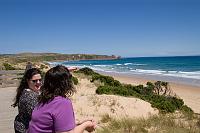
55 116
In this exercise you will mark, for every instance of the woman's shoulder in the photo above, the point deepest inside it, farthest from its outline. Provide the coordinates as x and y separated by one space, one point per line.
61 104
28 94
59 100
55 105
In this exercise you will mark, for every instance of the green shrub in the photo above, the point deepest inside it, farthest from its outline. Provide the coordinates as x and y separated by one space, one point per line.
104 90
86 71
107 80
187 109
150 87
165 106
177 102
134 89
8 66
113 90
75 80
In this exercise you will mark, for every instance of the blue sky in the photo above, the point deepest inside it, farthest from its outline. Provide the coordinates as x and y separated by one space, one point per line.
120 27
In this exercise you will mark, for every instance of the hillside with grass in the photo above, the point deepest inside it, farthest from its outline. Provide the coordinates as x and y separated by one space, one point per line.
18 61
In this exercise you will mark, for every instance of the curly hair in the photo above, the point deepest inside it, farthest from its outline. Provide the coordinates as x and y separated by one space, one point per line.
24 83
57 82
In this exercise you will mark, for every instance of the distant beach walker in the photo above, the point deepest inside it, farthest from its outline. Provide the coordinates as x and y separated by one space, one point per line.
180 69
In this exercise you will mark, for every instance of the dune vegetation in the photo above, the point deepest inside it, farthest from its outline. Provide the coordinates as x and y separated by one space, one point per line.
174 115
158 94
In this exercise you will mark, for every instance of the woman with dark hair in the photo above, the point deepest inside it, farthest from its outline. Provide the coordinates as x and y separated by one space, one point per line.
54 113
26 99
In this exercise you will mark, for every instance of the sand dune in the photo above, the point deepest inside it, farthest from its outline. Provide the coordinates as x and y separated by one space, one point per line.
87 104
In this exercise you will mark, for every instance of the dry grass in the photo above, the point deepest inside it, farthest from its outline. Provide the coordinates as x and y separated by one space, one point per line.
105 118
158 123
81 76
95 100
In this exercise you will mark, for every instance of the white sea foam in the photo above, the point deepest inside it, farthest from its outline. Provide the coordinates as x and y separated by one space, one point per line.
148 71
102 65
192 75
139 64
128 64
135 64
125 68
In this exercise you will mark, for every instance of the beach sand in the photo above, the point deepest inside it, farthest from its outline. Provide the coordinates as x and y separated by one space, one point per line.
88 104
190 94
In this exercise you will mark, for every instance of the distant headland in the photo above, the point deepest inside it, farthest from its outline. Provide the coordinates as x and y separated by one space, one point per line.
18 61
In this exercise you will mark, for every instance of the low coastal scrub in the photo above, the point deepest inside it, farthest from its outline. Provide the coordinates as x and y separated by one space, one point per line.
158 94
156 123
8 66
106 80
74 80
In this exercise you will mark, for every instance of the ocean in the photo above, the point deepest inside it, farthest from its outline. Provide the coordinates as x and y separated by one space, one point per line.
181 69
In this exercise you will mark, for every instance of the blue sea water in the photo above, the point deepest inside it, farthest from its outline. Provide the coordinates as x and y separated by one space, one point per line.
179 68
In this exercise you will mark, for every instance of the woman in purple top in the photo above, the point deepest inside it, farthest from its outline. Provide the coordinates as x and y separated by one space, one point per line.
54 113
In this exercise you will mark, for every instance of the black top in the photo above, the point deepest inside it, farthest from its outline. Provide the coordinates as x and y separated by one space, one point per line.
27 102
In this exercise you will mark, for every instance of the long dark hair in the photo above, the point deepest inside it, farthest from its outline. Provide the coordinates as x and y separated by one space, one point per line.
24 83
57 82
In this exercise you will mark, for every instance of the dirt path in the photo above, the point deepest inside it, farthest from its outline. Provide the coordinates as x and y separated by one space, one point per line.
7 113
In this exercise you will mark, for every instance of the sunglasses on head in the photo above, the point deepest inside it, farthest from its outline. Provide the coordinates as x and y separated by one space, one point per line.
36 80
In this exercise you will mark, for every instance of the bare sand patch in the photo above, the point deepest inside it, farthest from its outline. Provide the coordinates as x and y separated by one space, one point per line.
88 104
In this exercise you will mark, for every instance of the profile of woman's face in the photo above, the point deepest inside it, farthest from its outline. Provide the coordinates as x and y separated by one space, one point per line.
35 82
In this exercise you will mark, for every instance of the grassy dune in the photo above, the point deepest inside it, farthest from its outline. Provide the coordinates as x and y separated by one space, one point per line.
163 123
179 120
